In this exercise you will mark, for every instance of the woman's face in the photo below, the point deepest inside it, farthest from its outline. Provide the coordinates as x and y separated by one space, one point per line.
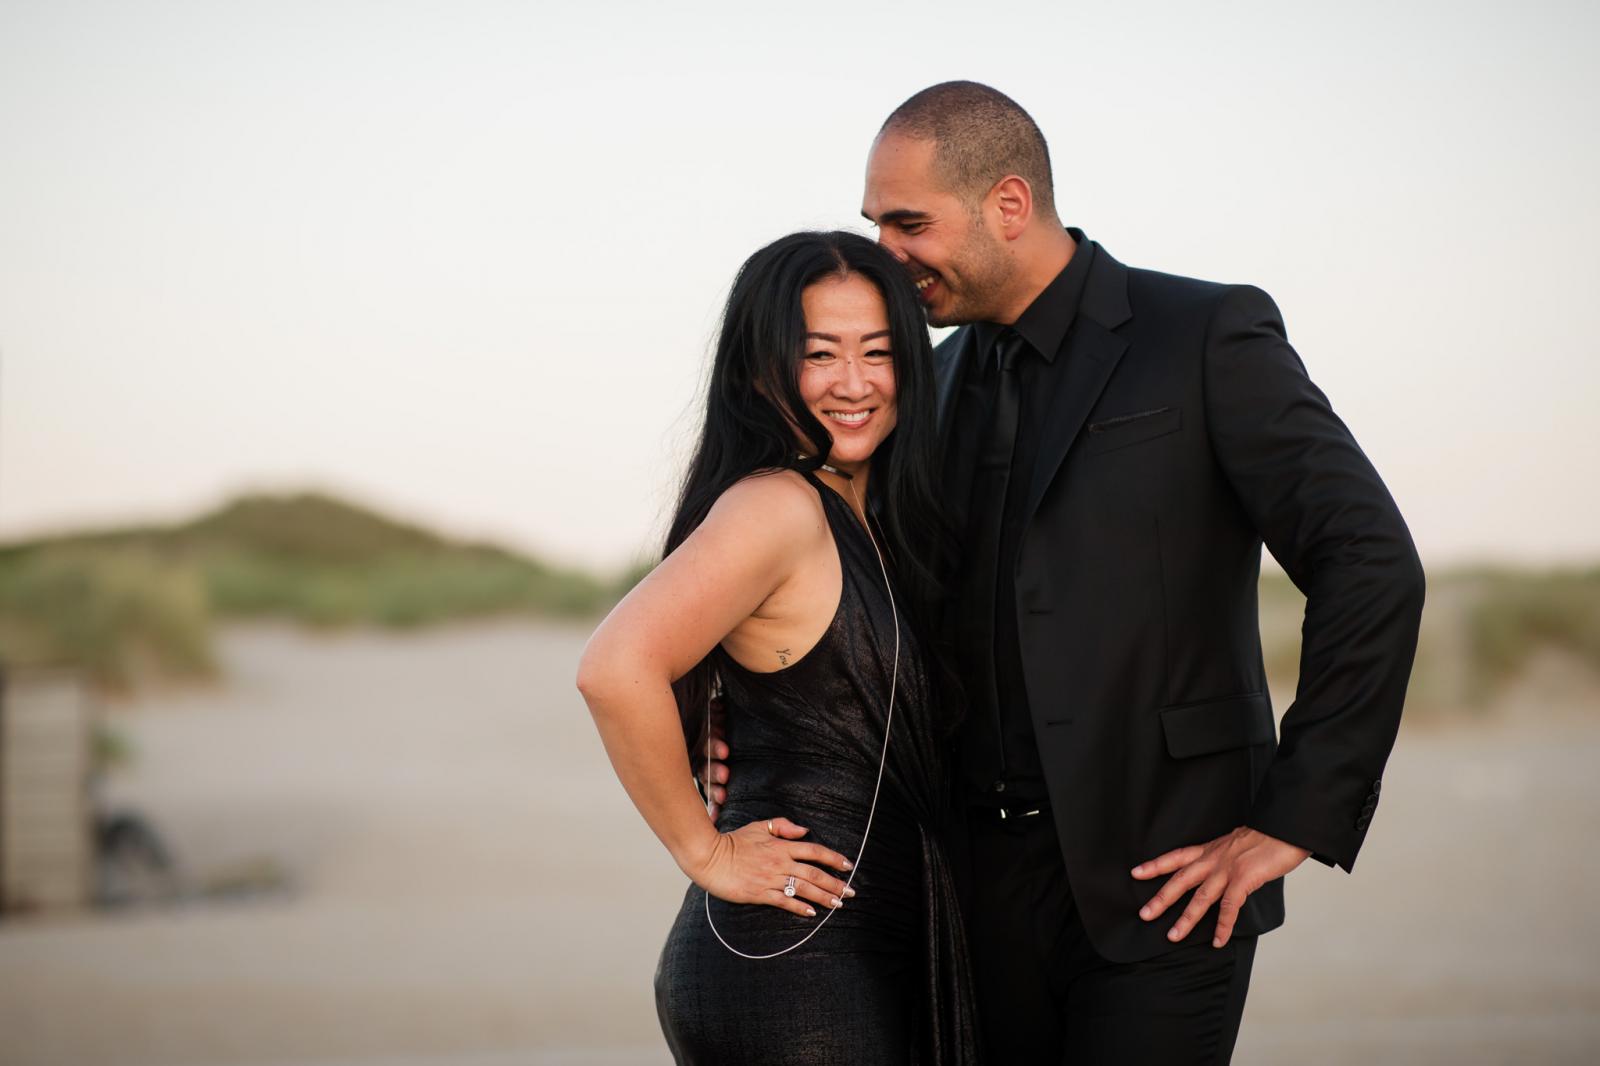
847 376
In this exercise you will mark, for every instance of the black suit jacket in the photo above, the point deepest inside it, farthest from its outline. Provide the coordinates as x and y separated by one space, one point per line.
1185 432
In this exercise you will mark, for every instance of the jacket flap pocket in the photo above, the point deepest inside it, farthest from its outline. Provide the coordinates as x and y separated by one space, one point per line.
1217 725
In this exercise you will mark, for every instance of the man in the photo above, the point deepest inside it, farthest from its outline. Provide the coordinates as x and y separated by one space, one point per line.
1120 443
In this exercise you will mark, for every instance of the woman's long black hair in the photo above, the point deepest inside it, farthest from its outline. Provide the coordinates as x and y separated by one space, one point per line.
753 406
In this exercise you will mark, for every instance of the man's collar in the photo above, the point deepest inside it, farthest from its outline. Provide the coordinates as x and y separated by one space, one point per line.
1045 322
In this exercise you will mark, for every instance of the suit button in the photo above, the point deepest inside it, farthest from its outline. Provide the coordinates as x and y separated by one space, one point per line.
999 786
1363 822
1377 786
1366 812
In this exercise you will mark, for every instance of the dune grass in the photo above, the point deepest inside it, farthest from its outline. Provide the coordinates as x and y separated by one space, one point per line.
120 615
128 604
1516 614
143 603
1481 629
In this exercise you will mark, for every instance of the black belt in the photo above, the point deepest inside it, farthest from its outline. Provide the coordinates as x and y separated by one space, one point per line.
990 813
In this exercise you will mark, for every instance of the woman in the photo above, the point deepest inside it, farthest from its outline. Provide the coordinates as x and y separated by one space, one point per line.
808 607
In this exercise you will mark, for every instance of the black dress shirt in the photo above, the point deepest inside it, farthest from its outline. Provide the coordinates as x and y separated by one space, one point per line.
1009 772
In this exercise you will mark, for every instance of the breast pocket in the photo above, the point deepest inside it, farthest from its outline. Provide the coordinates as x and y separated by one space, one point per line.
1119 431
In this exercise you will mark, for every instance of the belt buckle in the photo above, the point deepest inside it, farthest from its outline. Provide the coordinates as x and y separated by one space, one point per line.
1006 813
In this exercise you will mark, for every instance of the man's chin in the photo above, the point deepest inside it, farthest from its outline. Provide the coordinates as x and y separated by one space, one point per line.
949 312
953 317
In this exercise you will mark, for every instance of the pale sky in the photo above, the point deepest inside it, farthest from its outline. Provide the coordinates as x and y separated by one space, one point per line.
463 261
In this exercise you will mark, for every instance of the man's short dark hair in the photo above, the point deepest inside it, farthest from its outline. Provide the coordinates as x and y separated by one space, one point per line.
980 136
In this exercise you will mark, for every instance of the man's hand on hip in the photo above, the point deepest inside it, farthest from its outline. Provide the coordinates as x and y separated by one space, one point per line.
1227 870
708 758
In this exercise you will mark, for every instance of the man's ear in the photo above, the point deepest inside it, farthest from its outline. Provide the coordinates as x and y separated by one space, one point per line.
1011 200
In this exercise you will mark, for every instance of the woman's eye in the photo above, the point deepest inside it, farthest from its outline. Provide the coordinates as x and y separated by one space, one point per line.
880 353
814 356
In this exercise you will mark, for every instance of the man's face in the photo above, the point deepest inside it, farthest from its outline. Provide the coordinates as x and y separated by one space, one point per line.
960 268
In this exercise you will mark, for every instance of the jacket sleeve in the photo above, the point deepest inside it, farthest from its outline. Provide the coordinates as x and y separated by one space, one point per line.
1328 519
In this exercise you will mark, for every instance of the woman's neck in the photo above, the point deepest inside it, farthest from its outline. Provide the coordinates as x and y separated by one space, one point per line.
850 482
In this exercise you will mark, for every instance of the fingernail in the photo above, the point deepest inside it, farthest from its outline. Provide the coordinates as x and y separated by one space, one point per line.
833 901
811 912
849 893
1144 912
1172 934
848 865
1216 942
1137 870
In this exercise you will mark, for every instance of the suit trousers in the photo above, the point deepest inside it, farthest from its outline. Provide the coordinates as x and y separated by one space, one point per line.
1046 997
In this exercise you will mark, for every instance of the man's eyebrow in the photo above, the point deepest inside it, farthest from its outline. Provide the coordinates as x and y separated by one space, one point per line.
904 214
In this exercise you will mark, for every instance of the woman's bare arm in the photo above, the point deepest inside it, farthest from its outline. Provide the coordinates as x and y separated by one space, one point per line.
755 539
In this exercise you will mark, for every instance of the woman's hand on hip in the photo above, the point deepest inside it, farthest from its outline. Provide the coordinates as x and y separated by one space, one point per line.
753 863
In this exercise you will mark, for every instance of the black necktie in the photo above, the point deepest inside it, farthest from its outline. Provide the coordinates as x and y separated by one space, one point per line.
991 476
1000 435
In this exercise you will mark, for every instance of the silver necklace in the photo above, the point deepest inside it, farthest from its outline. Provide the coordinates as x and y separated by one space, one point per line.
894 677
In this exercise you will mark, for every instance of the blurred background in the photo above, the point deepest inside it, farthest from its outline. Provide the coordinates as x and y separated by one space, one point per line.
349 353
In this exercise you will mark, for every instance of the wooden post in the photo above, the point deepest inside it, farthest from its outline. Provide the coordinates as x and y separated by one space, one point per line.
46 812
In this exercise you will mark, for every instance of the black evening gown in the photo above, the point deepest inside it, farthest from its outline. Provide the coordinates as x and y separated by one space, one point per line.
885 980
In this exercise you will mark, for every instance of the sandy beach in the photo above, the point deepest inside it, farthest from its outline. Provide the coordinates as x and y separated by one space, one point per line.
461 880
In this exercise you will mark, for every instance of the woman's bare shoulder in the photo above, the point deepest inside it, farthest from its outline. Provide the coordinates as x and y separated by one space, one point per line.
778 507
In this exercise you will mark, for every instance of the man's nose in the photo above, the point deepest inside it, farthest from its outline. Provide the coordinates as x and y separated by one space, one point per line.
886 241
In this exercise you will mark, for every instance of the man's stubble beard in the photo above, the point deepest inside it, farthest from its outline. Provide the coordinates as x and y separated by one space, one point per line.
986 273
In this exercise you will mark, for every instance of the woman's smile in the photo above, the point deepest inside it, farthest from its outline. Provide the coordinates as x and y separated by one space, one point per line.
847 376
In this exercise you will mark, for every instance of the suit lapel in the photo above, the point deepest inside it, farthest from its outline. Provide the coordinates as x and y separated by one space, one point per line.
1083 367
